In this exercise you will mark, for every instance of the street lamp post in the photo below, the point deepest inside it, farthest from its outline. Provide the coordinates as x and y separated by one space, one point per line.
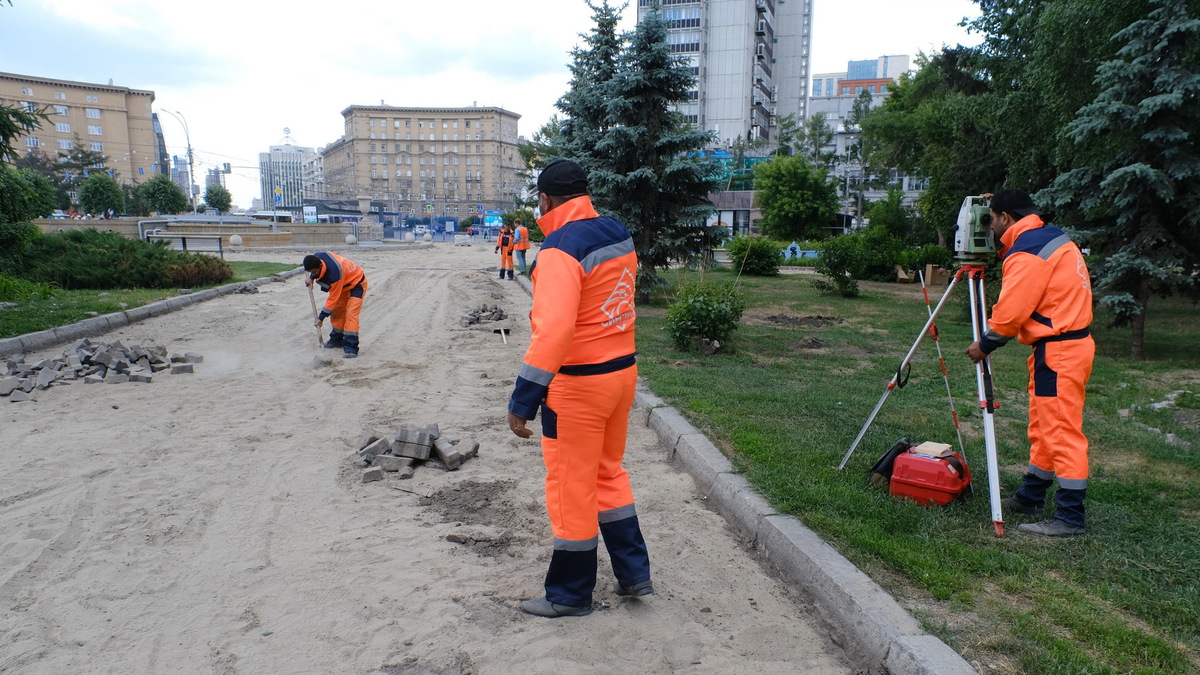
191 158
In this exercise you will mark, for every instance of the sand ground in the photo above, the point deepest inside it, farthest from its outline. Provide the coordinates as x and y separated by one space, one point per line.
217 522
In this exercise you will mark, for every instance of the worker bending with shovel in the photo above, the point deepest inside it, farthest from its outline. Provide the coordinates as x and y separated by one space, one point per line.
346 285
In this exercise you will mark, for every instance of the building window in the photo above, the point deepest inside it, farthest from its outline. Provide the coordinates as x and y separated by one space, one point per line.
60 110
845 91
93 113
95 130
60 96
96 147
31 141
26 91
93 99
64 144
28 106
871 88
62 127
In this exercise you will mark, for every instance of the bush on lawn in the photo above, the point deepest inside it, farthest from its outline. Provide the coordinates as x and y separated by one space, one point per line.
704 312
102 260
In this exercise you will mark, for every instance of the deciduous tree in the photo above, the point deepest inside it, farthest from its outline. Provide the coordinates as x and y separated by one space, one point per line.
99 193
797 200
163 195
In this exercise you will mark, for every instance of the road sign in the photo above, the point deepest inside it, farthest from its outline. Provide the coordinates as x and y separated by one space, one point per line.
429 208
278 199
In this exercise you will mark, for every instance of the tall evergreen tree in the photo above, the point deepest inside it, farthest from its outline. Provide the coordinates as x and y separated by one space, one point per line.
584 106
1136 180
645 170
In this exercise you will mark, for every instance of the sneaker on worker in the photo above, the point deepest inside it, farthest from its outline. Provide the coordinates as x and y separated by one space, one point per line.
550 610
1053 528
637 590
1015 505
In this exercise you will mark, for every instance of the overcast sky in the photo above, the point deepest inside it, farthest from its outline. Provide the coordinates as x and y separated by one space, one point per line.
241 71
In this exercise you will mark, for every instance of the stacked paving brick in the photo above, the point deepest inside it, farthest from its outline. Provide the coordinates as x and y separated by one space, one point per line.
411 446
480 314
111 363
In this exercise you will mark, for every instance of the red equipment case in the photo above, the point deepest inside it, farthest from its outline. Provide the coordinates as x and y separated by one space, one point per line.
929 480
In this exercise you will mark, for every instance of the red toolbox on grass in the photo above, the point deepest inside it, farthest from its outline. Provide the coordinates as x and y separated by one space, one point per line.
929 474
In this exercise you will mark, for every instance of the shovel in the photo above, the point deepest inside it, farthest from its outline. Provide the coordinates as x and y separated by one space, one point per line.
312 300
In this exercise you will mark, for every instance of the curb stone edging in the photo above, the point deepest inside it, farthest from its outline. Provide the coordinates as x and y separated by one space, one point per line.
867 622
98 325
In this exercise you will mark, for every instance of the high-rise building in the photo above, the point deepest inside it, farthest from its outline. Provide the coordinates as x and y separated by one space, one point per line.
281 171
444 162
116 122
750 59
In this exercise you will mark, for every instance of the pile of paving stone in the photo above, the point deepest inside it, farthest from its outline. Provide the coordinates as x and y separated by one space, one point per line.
408 447
111 363
480 314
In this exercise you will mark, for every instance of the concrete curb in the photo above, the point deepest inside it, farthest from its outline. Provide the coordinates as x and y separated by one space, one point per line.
98 325
873 628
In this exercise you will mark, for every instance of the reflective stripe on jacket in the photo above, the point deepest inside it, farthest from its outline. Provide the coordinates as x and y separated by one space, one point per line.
583 302
1046 290
338 276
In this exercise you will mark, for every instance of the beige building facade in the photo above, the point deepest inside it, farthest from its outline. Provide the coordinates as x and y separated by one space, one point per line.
115 121
442 162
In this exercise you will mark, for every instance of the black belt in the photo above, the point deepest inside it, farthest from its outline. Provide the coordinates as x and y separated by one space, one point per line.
1078 334
612 366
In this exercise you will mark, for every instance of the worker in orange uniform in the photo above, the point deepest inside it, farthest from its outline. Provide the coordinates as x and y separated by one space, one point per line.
520 244
346 285
504 244
1045 302
580 372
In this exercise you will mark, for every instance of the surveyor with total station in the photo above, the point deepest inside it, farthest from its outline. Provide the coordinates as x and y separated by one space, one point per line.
579 370
346 285
1045 302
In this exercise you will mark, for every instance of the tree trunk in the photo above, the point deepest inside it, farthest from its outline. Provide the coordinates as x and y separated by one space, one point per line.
1137 343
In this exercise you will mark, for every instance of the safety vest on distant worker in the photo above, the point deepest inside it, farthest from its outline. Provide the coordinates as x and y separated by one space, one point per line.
521 241
583 302
338 277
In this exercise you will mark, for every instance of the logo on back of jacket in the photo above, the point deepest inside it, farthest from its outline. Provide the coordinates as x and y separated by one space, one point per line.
619 305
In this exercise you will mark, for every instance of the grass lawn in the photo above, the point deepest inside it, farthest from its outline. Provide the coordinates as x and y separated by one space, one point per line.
65 307
799 380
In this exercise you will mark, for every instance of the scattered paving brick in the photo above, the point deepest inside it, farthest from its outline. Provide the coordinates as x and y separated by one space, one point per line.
410 446
480 314
93 363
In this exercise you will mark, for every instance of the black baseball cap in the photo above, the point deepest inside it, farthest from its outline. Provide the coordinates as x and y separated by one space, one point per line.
1013 201
561 178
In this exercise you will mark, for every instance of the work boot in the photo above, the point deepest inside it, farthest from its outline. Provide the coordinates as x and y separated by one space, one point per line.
1015 505
501 273
510 275
335 341
544 608
636 590
350 355
1052 528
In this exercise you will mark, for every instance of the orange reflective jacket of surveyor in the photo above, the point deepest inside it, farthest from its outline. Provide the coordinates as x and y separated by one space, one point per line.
583 302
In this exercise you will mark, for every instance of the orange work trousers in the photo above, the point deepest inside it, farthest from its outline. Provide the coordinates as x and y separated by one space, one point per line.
506 258
584 427
1058 376
344 318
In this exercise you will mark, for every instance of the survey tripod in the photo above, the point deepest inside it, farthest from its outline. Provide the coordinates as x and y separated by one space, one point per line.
983 381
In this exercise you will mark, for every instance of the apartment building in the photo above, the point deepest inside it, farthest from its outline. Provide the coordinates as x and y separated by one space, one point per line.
115 121
835 93
750 59
442 162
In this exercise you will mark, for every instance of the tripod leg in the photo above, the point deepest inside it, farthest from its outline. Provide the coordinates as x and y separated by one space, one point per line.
896 378
987 401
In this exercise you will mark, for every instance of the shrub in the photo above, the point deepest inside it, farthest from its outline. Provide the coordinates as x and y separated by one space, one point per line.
929 254
842 261
20 290
881 252
704 312
101 260
15 240
755 255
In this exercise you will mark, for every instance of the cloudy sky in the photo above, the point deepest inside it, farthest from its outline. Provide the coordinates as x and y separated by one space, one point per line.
239 72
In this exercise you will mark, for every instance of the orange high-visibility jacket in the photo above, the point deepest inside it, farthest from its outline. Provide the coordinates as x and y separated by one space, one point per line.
338 276
521 239
505 241
1046 292
583 305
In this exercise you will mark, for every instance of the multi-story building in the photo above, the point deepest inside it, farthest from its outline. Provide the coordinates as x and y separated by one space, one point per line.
281 172
443 162
750 59
114 121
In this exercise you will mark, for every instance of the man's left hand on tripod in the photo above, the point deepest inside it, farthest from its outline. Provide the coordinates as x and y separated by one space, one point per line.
975 353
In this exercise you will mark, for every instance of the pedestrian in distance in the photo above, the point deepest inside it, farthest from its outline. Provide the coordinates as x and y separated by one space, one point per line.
1046 303
520 244
504 246
579 372
346 285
